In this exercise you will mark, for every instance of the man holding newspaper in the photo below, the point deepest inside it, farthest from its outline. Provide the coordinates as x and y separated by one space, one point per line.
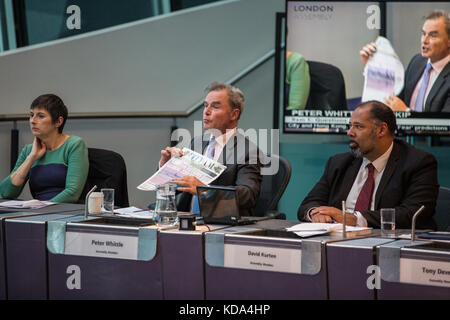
427 84
223 107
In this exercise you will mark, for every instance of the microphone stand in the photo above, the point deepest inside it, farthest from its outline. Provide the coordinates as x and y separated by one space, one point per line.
413 230
86 200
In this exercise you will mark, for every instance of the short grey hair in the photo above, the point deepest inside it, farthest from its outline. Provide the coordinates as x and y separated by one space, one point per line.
437 14
235 95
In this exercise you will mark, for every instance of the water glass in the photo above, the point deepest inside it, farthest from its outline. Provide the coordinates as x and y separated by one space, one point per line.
388 222
108 200
165 207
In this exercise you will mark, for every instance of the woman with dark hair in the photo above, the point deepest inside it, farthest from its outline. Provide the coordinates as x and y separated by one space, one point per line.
55 164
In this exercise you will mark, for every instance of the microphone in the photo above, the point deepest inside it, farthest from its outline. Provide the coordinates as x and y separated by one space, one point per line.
86 200
344 231
413 230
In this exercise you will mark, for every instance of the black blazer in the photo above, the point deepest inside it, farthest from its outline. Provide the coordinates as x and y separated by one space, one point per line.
408 182
438 99
243 172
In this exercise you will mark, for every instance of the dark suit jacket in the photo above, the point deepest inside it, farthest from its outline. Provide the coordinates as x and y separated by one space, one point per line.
408 182
438 99
243 172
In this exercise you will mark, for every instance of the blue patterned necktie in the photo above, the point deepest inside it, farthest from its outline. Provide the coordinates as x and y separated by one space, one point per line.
420 101
209 154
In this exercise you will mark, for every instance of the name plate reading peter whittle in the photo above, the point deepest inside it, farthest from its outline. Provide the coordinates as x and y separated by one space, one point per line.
102 245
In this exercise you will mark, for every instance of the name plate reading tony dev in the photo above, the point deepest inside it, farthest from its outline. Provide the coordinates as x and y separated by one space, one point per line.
102 245
262 258
431 273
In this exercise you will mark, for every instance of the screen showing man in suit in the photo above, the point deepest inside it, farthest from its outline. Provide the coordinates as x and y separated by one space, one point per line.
222 142
333 37
427 78
379 172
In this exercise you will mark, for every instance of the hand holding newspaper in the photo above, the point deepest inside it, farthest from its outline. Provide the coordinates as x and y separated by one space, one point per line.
384 73
190 164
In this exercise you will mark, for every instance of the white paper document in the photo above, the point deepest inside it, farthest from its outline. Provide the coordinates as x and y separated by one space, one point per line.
29 204
190 164
384 73
312 229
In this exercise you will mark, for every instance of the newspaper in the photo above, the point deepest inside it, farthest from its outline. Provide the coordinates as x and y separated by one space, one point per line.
384 73
190 164
29 204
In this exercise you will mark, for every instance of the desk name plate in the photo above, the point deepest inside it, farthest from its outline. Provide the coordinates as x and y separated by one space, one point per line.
102 245
263 258
426 272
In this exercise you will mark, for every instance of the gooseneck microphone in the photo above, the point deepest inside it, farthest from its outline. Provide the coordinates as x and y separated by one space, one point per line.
86 201
413 230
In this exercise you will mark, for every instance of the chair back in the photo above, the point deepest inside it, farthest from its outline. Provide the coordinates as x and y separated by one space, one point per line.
442 211
327 89
273 186
107 169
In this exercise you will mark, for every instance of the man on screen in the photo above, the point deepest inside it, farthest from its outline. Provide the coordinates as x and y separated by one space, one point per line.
427 78
223 107
379 172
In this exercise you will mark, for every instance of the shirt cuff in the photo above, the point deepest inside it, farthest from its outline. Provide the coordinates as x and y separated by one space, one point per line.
360 220
308 214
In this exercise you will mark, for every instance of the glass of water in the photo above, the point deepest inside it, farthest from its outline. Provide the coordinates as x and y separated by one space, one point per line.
388 222
165 207
108 200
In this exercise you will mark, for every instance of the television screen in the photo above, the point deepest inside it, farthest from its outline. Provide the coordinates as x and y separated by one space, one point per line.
327 76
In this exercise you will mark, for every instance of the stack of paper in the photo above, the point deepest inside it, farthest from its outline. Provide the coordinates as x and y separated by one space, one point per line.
313 229
134 212
30 204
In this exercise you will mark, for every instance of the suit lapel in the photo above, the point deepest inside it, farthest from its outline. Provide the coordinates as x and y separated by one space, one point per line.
388 172
436 86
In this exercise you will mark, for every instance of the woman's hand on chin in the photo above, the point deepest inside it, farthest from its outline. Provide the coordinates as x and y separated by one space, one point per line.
38 150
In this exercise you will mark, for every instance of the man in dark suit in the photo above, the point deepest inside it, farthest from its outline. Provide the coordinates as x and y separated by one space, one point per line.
427 78
380 172
223 106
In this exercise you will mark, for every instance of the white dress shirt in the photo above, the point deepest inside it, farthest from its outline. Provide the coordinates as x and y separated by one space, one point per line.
221 142
380 165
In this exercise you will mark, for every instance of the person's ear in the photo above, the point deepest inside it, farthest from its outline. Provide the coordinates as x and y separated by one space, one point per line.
383 130
235 114
59 122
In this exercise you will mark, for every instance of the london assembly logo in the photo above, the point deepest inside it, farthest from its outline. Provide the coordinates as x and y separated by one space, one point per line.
313 11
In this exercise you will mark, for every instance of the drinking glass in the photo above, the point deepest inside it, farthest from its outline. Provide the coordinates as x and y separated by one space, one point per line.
388 222
108 200
165 207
